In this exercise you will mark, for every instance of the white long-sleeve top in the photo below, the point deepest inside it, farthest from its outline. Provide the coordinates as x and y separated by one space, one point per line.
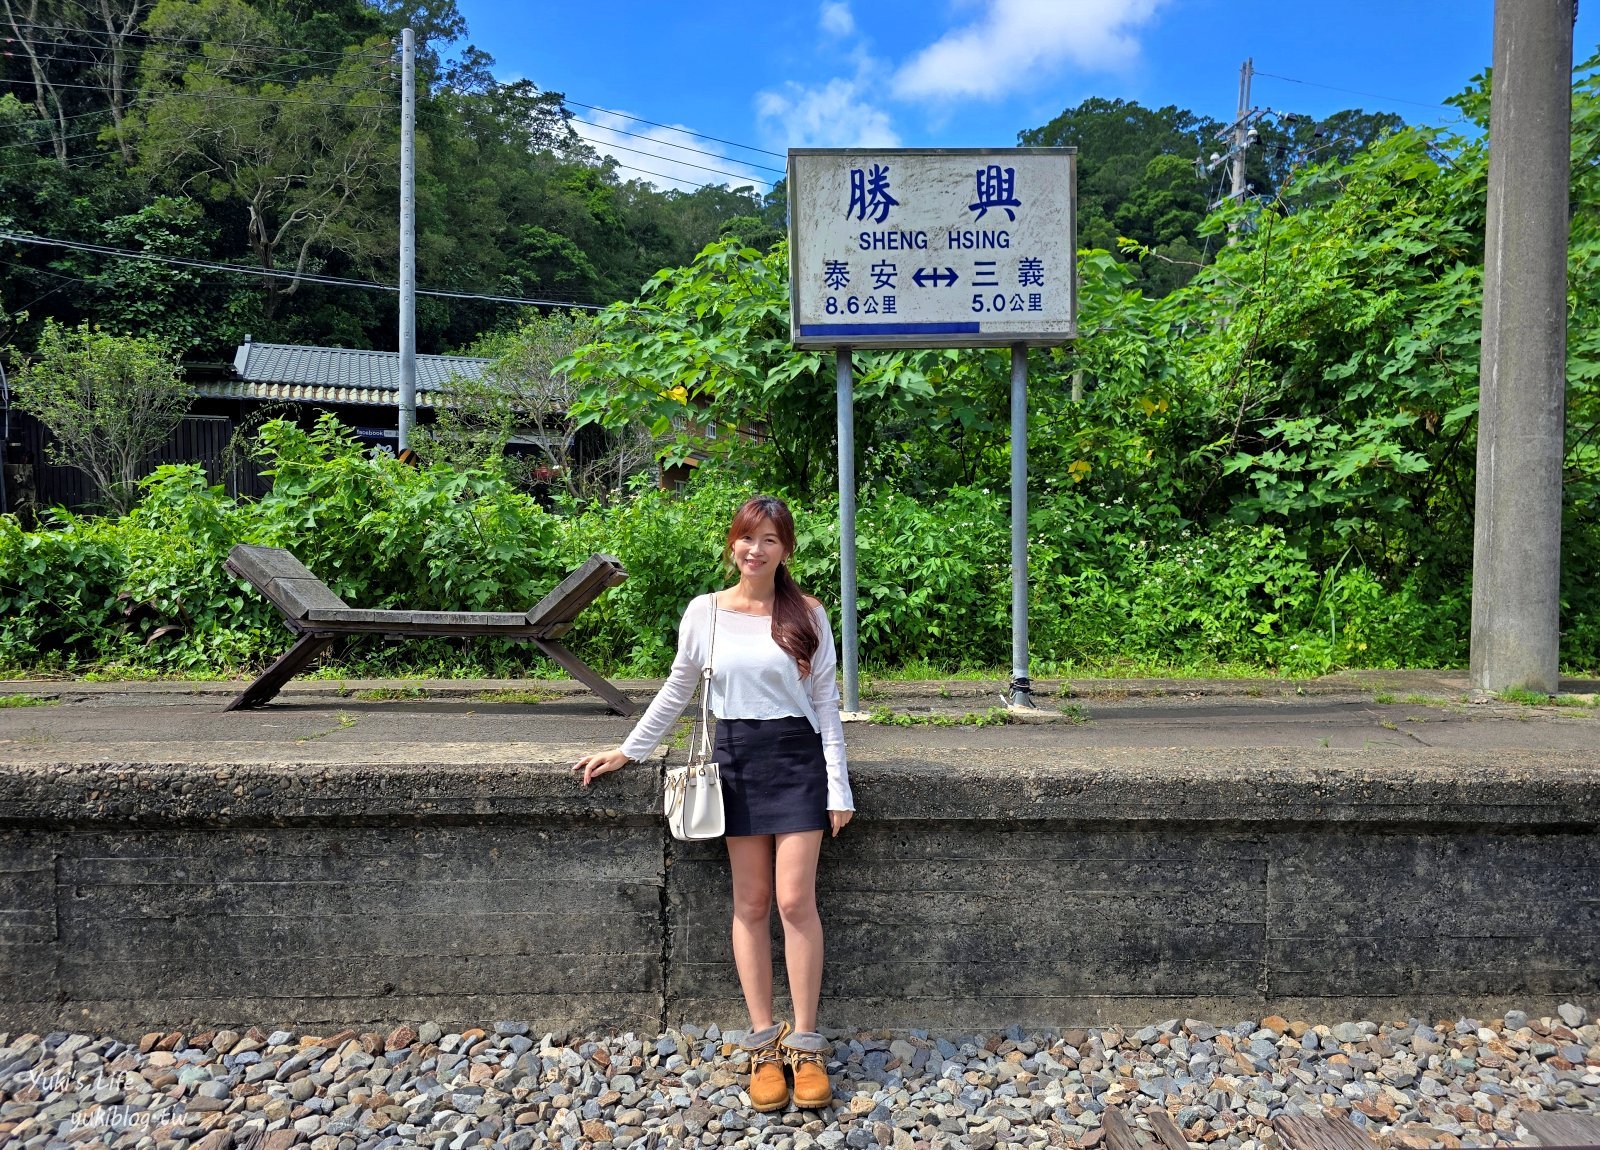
751 678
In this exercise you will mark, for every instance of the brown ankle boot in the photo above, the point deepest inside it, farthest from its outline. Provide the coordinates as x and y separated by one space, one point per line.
812 1090
768 1088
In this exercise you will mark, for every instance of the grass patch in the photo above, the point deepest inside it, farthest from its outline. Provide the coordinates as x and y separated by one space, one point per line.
516 695
1074 714
1540 699
1110 668
27 701
384 694
993 717
1384 697
123 673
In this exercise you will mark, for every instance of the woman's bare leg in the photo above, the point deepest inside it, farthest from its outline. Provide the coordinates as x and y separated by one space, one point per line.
796 888
750 857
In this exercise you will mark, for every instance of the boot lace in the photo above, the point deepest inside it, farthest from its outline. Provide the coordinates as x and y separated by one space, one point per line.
764 1055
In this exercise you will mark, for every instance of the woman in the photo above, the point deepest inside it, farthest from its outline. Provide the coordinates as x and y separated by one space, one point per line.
784 779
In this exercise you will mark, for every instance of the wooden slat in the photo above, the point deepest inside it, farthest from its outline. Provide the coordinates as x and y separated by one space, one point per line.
556 611
1317 1132
261 565
1167 1131
1563 1130
297 598
285 667
1119 1133
585 674
513 619
421 622
360 615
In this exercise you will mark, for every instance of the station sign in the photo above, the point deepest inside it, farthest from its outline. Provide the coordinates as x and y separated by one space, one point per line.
949 247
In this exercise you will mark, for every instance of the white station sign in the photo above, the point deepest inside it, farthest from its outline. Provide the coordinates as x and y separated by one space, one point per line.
932 247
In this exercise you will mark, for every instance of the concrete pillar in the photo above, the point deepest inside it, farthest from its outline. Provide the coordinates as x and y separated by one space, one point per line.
1516 561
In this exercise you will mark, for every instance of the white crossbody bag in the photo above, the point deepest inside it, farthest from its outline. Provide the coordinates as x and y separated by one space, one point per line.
694 791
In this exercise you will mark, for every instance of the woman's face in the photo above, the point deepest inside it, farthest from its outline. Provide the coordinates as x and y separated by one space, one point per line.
758 551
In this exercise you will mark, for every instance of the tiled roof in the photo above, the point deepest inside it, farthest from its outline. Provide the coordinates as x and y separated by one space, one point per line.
306 393
334 374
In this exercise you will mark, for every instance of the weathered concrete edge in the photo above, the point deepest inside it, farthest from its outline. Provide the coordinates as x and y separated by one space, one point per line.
1536 791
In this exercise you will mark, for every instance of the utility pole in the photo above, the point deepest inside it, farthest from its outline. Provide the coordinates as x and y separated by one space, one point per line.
1516 553
1240 139
1239 135
408 238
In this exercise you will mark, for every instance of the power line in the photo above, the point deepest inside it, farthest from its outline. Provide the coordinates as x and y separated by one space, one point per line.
1352 91
271 72
270 273
286 98
675 179
141 39
685 163
52 138
670 144
673 128
274 72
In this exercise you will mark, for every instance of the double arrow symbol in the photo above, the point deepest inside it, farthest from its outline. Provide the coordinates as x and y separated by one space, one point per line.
924 276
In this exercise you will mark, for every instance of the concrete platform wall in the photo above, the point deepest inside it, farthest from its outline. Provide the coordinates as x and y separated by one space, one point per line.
1131 888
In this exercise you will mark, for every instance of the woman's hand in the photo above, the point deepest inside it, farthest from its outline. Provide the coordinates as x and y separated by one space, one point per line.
839 819
603 763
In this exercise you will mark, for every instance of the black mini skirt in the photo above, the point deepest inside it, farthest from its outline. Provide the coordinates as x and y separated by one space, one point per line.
774 775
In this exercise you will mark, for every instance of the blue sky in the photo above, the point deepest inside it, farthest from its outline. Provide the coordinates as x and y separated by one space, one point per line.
960 73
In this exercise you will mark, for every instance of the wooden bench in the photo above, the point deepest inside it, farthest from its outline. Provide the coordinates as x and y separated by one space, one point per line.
1305 1132
318 616
1121 1134
1569 1131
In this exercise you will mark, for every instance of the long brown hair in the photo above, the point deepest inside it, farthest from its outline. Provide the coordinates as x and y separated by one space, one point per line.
793 628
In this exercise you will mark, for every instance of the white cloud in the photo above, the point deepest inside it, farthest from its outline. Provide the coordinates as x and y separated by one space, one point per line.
666 158
837 114
836 18
1015 40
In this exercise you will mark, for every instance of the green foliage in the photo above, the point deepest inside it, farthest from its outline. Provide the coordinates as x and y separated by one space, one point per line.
702 359
993 717
148 591
1270 464
304 151
109 401
525 392
272 125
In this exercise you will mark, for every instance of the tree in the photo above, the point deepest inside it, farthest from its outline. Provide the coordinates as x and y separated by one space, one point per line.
1136 177
703 359
301 152
525 392
110 401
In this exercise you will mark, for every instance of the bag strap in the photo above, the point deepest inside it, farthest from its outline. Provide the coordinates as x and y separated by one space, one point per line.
705 687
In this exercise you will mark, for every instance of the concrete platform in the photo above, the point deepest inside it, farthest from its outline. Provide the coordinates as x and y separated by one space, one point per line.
367 853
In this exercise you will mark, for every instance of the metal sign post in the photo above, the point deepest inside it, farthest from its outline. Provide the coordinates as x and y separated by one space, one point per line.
1020 693
847 535
936 247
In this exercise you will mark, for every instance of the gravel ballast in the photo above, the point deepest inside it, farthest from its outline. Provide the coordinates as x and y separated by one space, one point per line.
1459 1082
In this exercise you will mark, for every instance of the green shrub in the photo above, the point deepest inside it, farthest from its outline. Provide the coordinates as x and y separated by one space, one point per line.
147 592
